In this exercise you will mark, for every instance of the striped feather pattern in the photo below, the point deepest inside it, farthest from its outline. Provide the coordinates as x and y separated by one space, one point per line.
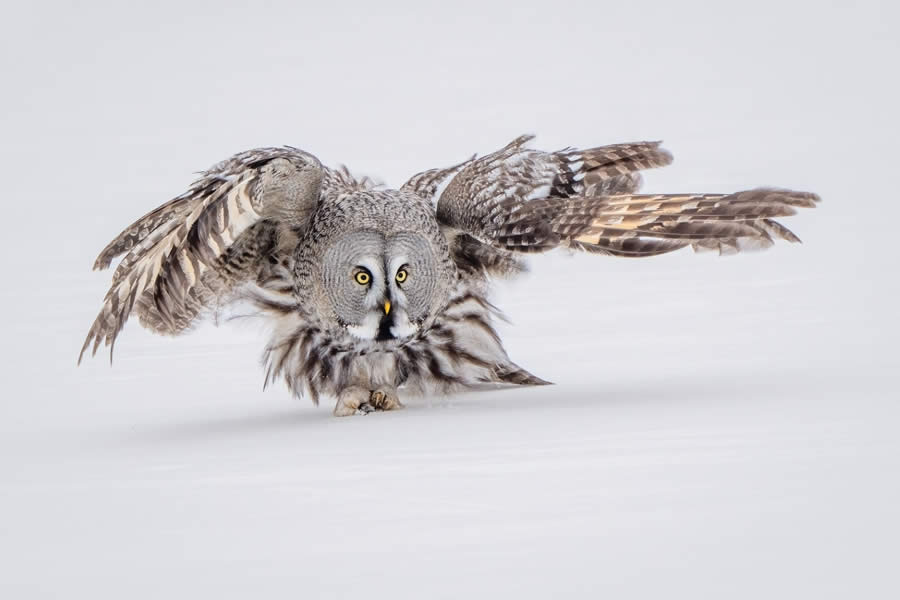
459 349
190 253
634 225
523 200
426 183
483 199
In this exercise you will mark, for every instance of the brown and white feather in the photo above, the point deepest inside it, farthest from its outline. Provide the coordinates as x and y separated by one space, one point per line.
192 251
490 196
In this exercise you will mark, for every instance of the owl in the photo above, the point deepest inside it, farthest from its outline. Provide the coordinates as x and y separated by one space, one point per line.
368 290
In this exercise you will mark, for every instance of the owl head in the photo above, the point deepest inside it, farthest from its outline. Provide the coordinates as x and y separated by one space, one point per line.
382 271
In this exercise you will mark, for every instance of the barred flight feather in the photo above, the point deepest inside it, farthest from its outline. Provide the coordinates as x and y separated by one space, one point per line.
188 254
490 198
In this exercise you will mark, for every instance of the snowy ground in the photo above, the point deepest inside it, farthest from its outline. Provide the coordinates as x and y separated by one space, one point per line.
719 428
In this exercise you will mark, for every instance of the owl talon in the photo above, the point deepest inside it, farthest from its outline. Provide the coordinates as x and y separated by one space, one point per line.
353 401
385 399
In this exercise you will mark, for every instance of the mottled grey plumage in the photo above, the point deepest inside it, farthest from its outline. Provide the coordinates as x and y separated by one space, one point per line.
370 289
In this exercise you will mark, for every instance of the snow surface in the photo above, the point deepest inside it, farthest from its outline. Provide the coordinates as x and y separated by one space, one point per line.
720 427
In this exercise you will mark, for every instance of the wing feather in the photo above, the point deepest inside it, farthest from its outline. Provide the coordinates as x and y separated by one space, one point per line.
638 225
522 200
190 253
485 197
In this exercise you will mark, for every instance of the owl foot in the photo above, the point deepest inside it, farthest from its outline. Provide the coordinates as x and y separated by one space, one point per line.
353 401
360 401
385 399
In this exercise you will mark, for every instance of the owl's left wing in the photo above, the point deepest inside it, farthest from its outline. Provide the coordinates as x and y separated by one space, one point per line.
188 255
523 200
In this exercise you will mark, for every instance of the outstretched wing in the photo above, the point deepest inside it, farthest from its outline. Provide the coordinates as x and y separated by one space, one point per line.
486 197
523 200
190 253
646 225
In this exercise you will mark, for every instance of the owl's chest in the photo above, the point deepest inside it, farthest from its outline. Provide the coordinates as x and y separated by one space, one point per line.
373 369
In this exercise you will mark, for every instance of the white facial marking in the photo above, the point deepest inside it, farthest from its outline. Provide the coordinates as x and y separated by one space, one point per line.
368 330
402 327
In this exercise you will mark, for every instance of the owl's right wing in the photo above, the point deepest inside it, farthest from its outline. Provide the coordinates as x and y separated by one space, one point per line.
523 200
232 226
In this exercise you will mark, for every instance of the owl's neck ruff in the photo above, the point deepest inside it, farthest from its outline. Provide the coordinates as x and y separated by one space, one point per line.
460 348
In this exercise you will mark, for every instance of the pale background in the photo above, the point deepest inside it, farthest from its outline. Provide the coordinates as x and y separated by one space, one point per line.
721 427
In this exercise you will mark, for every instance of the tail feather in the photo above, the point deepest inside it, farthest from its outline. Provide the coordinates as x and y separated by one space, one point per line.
513 374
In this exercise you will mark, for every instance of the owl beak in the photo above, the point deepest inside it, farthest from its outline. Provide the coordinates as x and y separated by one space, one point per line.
387 307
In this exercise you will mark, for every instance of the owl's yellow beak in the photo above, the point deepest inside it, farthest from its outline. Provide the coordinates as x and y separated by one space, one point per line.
387 307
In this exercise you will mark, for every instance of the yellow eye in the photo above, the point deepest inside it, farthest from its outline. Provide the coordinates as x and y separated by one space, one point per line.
362 278
401 275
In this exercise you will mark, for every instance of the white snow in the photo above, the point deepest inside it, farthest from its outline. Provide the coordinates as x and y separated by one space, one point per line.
720 427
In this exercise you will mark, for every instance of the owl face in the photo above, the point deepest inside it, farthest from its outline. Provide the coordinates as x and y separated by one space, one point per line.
380 287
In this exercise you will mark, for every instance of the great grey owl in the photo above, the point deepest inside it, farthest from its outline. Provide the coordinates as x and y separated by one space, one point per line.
369 289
